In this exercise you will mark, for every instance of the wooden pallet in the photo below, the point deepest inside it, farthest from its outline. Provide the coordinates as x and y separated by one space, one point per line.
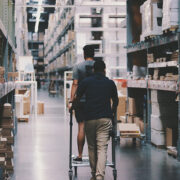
171 29
128 130
159 146
172 151
23 119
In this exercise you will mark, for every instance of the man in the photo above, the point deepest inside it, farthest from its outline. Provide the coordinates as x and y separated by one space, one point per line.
99 91
81 71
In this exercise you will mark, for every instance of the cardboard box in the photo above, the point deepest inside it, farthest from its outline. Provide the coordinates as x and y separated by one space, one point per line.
121 109
140 123
123 119
7 110
169 137
141 126
130 119
40 107
132 106
26 105
158 137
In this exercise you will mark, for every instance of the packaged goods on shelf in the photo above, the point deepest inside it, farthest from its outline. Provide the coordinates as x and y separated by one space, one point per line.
171 77
12 76
7 110
151 19
2 71
174 56
156 74
139 72
158 138
71 35
41 53
41 36
150 58
35 36
170 14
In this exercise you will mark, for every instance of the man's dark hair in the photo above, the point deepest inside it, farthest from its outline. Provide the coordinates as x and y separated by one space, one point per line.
99 66
88 51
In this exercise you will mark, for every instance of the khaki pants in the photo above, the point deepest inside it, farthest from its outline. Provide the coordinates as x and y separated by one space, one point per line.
97 134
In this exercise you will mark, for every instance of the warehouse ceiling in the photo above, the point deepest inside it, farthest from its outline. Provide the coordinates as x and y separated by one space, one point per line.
32 13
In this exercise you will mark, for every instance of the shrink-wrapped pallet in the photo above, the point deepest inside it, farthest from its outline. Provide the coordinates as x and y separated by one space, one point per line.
151 19
170 14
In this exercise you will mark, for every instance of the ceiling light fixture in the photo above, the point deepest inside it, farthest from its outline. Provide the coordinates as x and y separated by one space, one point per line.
38 15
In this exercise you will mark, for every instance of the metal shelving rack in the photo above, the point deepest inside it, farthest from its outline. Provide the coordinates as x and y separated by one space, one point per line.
147 85
77 24
7 53
7 48
58 71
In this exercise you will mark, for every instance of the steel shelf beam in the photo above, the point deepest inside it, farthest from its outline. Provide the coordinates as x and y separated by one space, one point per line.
61 51
4 31
158 41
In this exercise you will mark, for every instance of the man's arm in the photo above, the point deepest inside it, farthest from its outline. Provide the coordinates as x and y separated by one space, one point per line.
80 92
75 83
74 89
115 99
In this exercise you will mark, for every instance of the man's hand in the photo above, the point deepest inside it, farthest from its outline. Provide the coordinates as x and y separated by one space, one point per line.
70 107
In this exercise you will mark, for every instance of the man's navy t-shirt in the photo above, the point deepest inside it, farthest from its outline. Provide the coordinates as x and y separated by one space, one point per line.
99 91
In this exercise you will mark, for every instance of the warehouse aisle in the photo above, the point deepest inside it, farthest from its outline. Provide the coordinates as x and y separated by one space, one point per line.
41 151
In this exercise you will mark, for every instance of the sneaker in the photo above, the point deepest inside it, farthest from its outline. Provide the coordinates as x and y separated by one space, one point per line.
99 177
77 159
93 178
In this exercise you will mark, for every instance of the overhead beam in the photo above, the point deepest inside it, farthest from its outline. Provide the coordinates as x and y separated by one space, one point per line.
34 20
32 12
71 6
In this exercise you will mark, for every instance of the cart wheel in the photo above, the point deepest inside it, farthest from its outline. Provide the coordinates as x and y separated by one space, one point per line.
134 140
70 173
115 174
75 171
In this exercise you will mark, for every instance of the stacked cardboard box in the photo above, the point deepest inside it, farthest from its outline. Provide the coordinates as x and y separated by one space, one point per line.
174 56
2 70
164 111
140 123
134 111
7 137
121 109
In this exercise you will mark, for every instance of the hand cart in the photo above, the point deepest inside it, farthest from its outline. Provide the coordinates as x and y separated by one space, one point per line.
85 162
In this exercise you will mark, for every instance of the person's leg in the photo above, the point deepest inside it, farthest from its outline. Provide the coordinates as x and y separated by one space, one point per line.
80 117
90 130
80 138
102 137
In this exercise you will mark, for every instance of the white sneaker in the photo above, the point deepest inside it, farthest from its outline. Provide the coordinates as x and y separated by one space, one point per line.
99 177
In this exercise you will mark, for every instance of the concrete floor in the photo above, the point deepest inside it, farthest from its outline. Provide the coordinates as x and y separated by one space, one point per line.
42 146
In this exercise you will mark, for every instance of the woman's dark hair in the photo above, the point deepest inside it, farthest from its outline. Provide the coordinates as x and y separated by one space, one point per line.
88 51
99 66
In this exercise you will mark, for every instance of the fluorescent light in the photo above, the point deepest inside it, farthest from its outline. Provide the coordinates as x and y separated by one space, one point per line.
38 15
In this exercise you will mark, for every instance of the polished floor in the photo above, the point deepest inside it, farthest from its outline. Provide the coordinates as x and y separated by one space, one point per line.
42 146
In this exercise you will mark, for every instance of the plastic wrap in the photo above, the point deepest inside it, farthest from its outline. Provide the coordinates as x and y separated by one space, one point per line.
170 14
